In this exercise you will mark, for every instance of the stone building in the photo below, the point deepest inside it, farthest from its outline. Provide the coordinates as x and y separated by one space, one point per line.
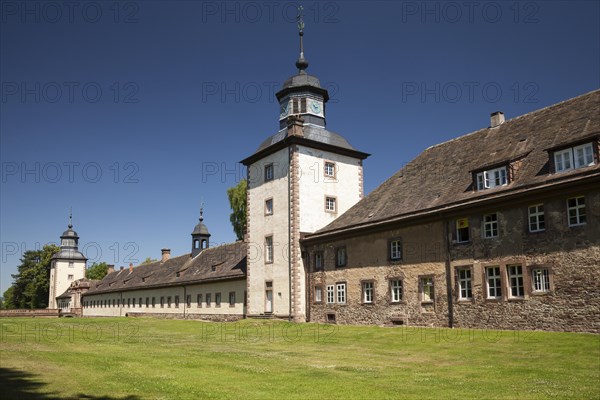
499 229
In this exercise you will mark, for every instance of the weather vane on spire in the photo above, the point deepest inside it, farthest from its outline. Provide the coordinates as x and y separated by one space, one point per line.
201 209
302 63
70 217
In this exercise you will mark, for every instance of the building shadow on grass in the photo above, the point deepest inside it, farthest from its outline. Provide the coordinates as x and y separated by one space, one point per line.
22 385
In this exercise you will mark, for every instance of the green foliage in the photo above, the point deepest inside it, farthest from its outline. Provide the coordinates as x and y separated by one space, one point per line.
30 288
97 271
149 260
257 359
237 201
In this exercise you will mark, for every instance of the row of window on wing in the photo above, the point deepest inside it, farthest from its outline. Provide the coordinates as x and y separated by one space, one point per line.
164 301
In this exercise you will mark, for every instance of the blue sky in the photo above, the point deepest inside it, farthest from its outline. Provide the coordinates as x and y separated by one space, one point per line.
133 113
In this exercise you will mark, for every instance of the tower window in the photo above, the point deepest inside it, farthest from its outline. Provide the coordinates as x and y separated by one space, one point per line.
196 244
70 277
71 264
269 207
329 169
295 106
269 249
303 105
330 204
269 172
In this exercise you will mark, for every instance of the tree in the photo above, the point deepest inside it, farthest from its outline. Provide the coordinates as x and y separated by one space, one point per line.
30 288
97 271
237 201
149 260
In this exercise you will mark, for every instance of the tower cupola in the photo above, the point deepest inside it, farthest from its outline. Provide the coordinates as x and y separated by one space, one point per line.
302 94
200 236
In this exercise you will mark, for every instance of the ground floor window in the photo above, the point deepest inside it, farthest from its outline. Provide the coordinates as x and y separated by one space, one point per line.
318 294
367 291
330 294
199 300
217 299
231 299
465 291
396 290
427 289
494 282
208 299
515 279
341 293
540 279
188 300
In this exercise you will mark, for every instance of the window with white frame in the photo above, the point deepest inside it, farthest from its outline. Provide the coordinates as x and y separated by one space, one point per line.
540 279
319 261
330 294
269 249
462 230
329 169
576 211
537 222
465 291
396 290
341 293
269 172
490 225
491 178
367 291
427 289
269 207
395 249
318 294
574 157
330 204
340 257
494 282
515 280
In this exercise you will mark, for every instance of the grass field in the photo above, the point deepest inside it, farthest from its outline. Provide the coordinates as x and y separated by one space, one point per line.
174 359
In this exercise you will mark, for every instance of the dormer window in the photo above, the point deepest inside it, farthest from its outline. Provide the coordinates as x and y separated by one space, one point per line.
491 178
574 157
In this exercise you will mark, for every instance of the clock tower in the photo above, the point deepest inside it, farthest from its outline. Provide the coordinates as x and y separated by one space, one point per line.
299 180
302 94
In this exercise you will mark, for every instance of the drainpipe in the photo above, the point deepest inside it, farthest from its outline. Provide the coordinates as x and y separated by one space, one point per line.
184 301
290 233
448 275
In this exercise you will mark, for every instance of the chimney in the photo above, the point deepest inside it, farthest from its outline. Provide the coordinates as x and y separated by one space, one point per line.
166 253
130 267
496 119
295 126
111 268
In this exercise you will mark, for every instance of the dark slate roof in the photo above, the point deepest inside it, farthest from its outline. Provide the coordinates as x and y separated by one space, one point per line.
65 295
228 261
300 80
441 176
69 254
313 136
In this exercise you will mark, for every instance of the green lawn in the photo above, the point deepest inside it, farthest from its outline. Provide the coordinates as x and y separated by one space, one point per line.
171 359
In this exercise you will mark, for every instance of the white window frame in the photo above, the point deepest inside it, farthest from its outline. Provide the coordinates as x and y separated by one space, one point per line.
340 289
465 283
269 206
577 211
396 290
493 282
516 282
540 280
269 249
585 158
492 178
490 226
329 169
330 204
368 291
330 294
318 294
396 249
536 218
269 172
574 157
427 285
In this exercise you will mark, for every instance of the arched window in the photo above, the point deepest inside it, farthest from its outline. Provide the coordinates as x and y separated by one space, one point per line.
196 244
204 243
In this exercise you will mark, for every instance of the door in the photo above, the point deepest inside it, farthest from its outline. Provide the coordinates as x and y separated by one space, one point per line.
269 300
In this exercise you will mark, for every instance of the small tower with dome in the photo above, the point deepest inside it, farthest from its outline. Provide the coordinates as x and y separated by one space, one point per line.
67 265
200 236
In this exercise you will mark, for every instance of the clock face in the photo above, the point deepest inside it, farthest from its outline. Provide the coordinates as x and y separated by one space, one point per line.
283 112
316 107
